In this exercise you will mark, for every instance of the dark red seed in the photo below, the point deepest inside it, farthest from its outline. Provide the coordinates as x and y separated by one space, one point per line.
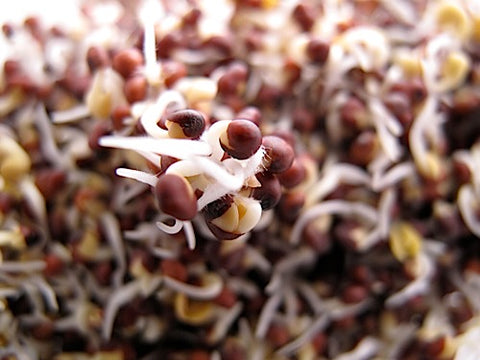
173 71
100 129
167 44
199 355
318 50
135 88
354 294
43 331
227 298
317 238
191 123
175 269
50 181
353 113
242 139
191 18
175 197
231 82
214 210
304 16
220 44
278 335
127 61
279 154
363 148
294 175
303 120
53 265
250 113
269 192
290 205
97 57
119 114
103 272
7 201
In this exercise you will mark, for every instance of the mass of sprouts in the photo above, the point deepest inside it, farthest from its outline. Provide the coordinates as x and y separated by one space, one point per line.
240 179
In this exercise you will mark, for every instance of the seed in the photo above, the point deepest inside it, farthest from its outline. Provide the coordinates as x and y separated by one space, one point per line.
318 50
279 154
50 181
363 148
53 265
127 61
173 71
241 139
231 82
304 16
278 334
250 113
227 298
135 88
119 114
175 269
269 192
317 238
303 120
290 205
97 57
185 124
294 175
100 129
175 197
354 294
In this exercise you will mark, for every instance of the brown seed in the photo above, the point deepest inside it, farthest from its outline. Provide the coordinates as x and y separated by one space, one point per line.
353 113
231 82
175 197
53 265
363 148
269 192
227 298
317 238
50 181
119 114
318 50
100 129
43 331
216 209
304 16
354 294
97 57
168 43
127 61
279 154
278 334
250 113
294 176
173 71
185 124
103 272
290 205
175 269
242 139
222 44
303 120
135 88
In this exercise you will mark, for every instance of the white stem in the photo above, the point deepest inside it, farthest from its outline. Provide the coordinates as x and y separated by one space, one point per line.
141 176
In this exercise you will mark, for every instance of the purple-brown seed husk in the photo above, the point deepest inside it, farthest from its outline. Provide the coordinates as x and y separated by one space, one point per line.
185 124
241 139
175 197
